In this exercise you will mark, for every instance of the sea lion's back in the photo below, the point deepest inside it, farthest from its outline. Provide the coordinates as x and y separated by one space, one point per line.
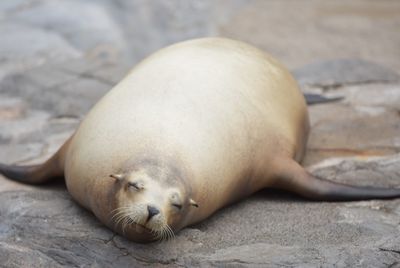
210 102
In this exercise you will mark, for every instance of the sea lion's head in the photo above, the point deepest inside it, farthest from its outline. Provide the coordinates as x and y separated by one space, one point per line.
151 202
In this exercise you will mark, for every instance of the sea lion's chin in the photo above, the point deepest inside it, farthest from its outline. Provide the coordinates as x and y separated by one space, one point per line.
141 233
139 229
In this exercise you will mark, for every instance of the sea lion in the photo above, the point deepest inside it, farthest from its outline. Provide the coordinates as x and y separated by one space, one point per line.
191 129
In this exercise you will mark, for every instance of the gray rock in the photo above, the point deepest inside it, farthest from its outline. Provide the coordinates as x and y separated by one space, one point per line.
298 33
335 73
365 124
376 96
26 47
149 27
62 234
8 6
78 90
88 27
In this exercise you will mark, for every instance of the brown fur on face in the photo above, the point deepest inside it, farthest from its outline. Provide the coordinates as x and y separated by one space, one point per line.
153 186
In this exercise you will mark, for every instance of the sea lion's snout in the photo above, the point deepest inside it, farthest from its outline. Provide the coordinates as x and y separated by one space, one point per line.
152 211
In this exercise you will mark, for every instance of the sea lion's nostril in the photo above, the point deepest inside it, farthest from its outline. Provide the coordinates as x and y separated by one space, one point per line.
152 211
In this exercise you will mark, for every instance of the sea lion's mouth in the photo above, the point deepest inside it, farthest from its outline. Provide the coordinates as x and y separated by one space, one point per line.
140 228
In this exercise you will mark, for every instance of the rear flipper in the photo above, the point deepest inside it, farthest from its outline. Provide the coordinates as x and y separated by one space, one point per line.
296 179
36 174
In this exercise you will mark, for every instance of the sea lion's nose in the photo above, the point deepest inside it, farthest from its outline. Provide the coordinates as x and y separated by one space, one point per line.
152 211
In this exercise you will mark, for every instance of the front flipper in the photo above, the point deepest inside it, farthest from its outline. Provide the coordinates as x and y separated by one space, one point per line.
295 178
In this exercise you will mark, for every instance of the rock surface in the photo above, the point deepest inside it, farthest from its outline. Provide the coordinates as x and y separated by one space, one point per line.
55 64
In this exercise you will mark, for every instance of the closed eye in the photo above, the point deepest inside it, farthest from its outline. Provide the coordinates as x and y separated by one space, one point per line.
178 206
134 185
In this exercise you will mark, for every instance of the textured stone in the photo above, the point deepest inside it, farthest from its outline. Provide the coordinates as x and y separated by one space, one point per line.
148 27
301 32
364 124
335 73
87 28
35 47
79 90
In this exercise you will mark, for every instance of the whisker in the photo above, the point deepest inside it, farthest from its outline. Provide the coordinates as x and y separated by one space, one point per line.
172 231
123 225
119 212
126 216
165 231
164 234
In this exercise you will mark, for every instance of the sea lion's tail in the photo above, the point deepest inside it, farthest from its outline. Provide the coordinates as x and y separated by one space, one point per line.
36 174
296 179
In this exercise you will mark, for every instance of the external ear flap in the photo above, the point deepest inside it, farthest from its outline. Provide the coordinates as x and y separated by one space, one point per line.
119 177
193 203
